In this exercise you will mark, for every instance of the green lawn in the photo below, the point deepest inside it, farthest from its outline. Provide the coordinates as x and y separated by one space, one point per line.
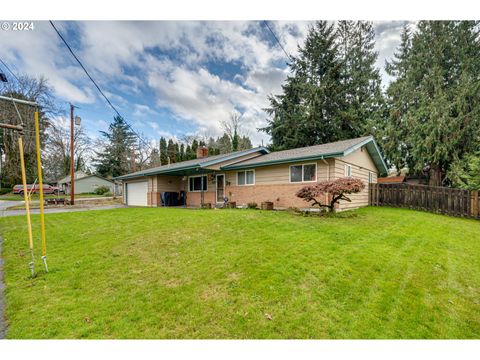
177 273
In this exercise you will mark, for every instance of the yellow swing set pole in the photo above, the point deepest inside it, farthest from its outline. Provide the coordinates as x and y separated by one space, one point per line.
27 205
40 184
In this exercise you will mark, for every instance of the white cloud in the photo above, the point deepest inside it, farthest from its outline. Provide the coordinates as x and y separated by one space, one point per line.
120 57
141 110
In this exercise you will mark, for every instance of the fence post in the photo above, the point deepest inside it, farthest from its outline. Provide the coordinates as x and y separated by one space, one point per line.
474 204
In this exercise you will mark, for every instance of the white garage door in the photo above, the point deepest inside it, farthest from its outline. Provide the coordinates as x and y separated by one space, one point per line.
137 193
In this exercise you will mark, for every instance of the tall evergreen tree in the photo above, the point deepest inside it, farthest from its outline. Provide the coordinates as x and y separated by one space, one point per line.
163 151
235 141
306 113
334 90
363 101
392 131
181 154
154 159
189 153
177 153
434 101
171 151
224 144
116 158
194 148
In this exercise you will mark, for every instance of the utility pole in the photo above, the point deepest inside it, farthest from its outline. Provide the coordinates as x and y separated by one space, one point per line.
72 158
74 120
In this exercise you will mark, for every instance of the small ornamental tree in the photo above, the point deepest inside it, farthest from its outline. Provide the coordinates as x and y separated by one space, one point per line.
337 190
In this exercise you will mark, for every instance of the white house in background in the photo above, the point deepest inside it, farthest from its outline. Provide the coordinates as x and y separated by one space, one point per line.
85 183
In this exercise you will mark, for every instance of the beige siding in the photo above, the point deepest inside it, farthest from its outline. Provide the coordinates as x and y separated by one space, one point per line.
360 158
163 183
362 164
280 174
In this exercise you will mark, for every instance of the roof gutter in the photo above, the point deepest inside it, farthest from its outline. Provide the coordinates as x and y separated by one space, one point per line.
166 171
199 165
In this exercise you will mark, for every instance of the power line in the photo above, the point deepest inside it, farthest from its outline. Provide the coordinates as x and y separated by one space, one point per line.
94 83
10 71
278 41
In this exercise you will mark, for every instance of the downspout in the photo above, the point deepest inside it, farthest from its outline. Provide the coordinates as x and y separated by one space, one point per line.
328 175
328 167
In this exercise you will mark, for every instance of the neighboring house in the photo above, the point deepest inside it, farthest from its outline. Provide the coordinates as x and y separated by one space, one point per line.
86 183
411 179
391 180
257 175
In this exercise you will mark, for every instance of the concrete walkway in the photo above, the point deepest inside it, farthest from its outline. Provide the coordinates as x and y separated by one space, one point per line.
61 210
3 326
5 204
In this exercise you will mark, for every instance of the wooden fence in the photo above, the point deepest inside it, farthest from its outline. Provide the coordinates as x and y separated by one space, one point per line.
441 200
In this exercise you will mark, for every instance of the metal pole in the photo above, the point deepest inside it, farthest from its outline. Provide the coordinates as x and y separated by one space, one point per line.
11 127
27 205
32 103
72 159
40 184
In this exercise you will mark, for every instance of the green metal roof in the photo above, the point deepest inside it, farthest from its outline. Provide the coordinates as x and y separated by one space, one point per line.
316 152
191 167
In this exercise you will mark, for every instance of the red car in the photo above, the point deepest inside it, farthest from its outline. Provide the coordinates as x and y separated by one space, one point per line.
47 189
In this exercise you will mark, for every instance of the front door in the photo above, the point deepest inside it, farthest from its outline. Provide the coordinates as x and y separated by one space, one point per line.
220 181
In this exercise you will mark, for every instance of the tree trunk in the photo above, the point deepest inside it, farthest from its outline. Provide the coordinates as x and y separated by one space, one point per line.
435 175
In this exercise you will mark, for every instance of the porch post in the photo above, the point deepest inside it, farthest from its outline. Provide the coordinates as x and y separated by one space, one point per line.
202 193
185 187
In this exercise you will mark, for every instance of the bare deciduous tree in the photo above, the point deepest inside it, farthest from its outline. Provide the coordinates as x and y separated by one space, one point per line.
31 89
57 149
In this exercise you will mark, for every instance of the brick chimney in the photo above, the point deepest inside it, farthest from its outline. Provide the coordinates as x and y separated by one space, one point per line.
202 151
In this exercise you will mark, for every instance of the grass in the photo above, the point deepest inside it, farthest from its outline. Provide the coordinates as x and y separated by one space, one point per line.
16 197
177 273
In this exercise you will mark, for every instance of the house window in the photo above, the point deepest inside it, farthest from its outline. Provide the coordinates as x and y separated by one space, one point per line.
195 183
303 173
370 177
246 177
348 170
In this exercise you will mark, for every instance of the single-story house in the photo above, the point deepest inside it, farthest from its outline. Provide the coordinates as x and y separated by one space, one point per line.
85 183
257 175
392 180
402 179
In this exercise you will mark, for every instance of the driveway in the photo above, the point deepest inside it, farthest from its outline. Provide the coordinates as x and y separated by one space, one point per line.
60 210
5 204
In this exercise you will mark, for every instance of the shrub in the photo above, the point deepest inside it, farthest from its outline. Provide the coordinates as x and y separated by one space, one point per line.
108 193
101 190
5 190
252 205
336 189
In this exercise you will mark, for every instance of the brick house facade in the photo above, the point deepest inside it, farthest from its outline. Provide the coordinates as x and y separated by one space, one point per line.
257 175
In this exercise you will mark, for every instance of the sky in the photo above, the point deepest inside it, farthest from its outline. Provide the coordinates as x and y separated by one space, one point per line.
168 78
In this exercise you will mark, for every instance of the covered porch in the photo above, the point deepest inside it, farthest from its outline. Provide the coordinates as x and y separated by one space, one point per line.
194 187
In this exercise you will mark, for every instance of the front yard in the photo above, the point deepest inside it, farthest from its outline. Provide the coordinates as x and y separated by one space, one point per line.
177 273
